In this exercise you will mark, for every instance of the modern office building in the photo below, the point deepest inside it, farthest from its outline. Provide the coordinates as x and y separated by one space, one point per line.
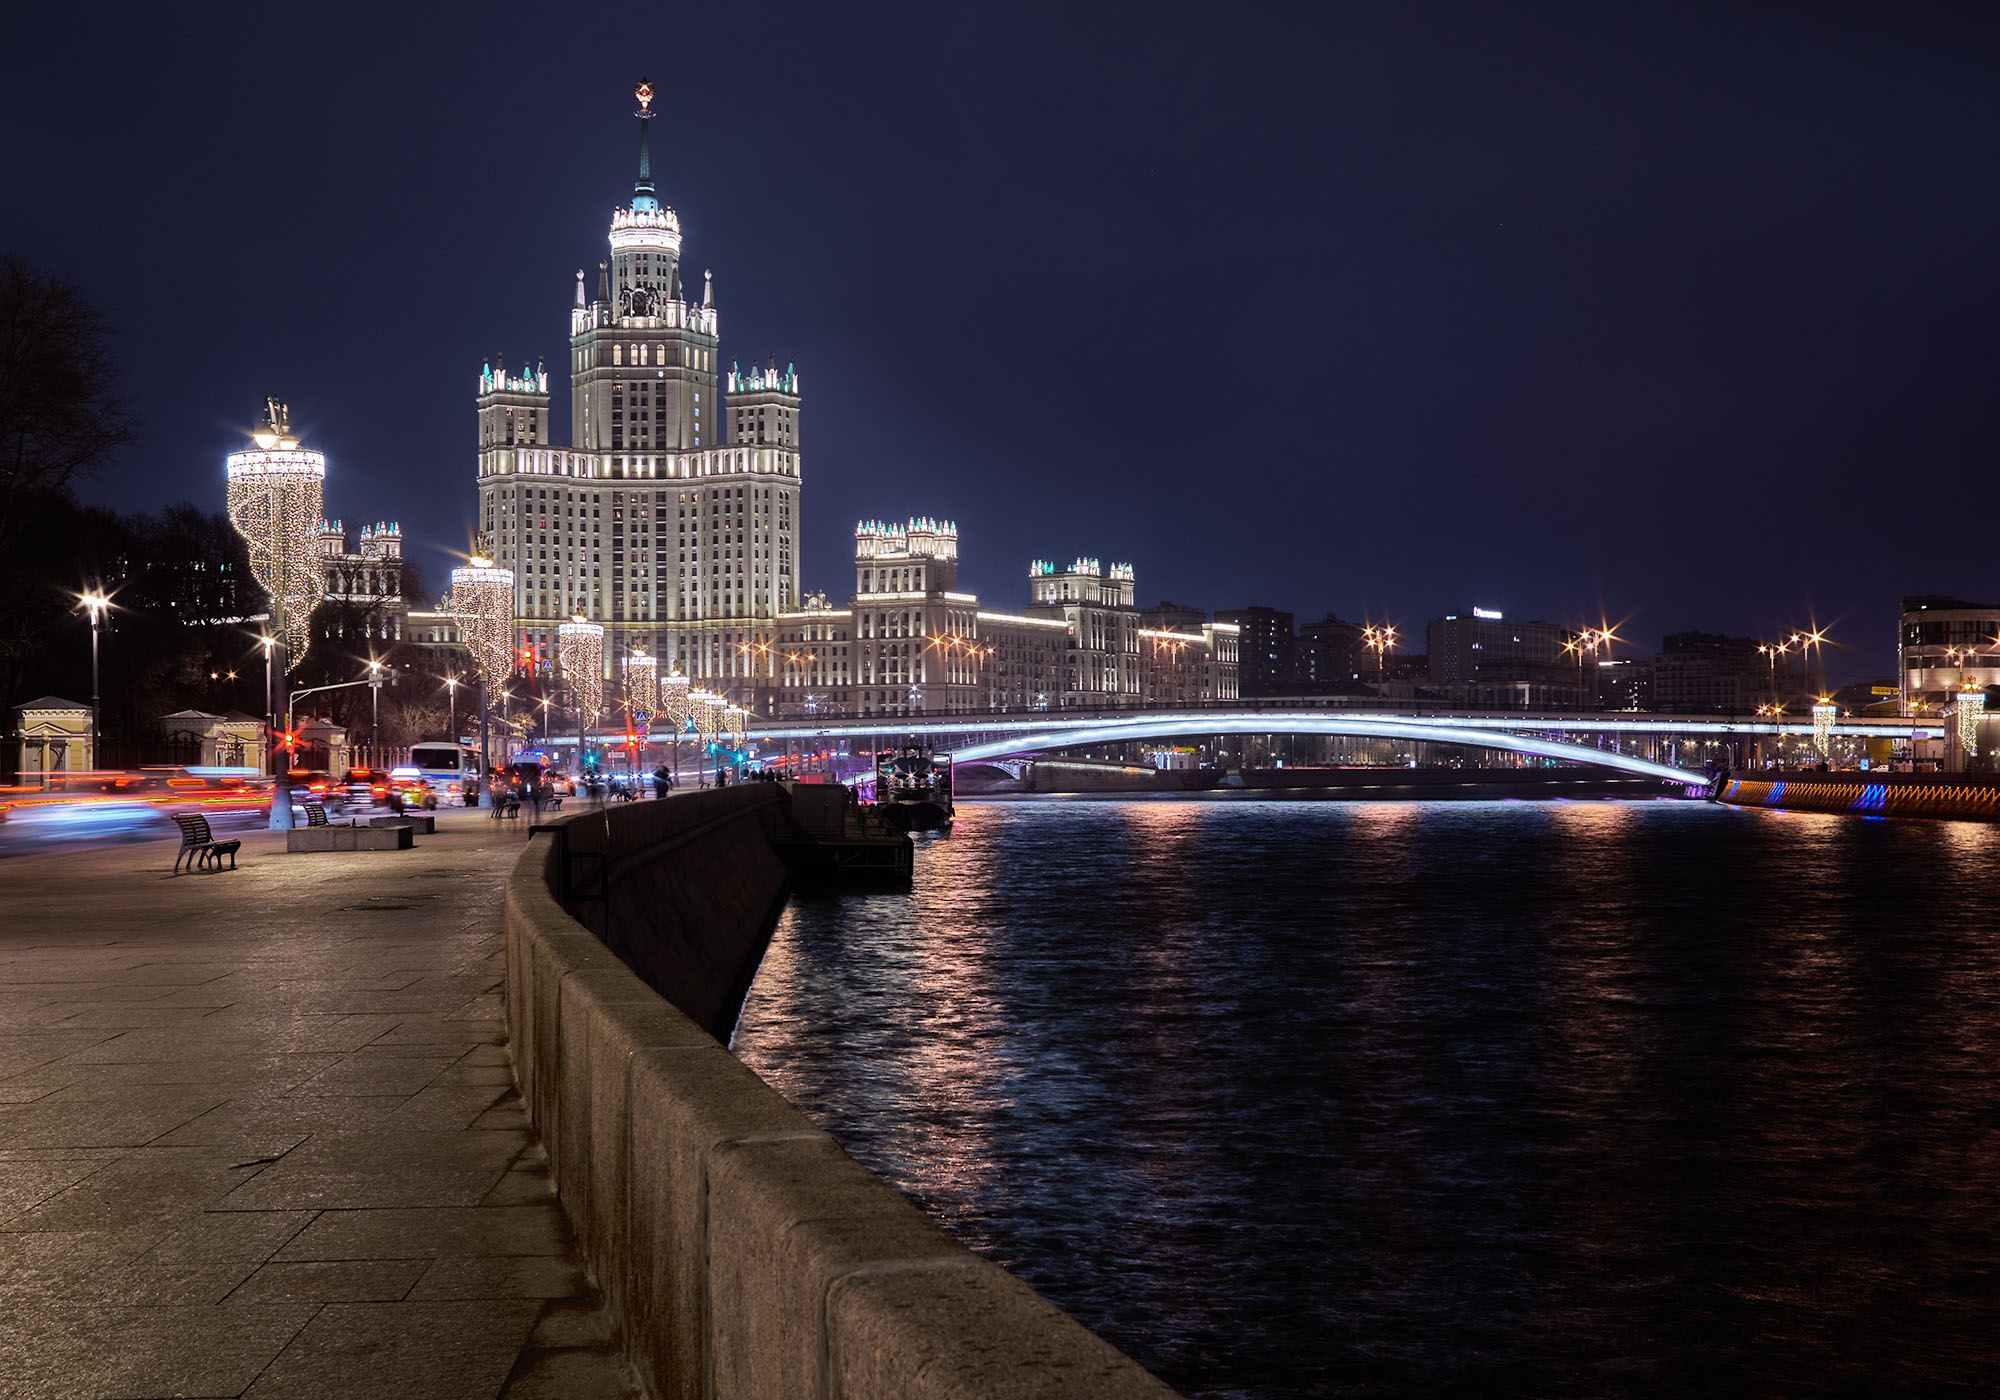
1267 650
1480 644
1945 646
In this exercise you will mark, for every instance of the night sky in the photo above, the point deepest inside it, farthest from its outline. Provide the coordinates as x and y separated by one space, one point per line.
1677 314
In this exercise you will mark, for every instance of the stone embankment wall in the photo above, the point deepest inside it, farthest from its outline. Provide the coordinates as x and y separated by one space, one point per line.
742 1252
1953 796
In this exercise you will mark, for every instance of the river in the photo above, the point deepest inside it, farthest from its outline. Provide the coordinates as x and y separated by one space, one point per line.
1315 1098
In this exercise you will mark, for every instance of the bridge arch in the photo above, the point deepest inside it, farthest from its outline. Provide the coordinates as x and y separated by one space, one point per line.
1361 726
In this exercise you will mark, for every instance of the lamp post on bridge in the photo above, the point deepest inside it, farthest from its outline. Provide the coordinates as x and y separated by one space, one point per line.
1379 640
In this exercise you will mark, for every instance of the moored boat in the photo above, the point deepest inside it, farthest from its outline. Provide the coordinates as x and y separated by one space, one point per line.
913 788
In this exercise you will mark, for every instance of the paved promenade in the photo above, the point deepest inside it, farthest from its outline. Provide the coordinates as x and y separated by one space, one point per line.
258 1134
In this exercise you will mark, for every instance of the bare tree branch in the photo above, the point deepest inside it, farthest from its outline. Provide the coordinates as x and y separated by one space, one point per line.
58 415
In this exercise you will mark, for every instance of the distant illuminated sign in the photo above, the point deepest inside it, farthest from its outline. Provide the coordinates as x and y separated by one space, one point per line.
1883 690
1486 613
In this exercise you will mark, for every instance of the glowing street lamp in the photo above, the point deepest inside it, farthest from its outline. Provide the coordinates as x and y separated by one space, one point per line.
451 701
375 670
1772 651
1379 640
96 604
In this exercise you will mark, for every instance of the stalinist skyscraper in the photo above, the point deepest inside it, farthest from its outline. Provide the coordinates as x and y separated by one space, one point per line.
681 538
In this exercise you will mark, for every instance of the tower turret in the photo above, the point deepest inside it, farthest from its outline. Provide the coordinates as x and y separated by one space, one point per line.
642 372
764 404
513 410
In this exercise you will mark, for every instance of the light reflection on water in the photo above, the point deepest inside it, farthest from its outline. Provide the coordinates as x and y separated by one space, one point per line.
1307 1098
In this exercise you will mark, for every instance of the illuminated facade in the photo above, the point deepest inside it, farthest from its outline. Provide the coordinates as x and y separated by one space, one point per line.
682 544
368 579
1944 646
673 523
911 642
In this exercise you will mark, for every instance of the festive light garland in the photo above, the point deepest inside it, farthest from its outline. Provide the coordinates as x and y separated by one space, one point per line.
482 600
676 704
580 652
642 689
1822 721
277 502
1971 709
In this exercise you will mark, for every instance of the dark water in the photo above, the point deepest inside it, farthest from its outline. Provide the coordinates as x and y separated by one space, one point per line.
1309 1098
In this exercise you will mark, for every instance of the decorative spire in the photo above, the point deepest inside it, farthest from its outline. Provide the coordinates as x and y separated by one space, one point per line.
643 198
708 287
579 286
604 282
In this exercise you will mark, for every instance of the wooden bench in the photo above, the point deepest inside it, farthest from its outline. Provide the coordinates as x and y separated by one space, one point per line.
199 848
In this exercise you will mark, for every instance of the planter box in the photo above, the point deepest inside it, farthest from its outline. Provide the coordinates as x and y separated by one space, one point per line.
350 838
417 821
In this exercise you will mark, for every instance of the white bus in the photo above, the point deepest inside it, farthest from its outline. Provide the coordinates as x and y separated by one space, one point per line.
453 769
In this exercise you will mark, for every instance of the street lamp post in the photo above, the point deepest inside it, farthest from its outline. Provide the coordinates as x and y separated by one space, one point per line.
451 703
485 745
270 643
96 603
375 713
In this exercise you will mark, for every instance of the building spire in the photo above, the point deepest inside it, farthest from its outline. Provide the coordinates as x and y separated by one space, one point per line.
643 197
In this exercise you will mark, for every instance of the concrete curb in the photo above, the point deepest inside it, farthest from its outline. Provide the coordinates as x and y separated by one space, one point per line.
740 1250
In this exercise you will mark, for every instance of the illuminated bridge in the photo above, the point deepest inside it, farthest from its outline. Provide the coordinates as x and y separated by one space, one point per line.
1672 748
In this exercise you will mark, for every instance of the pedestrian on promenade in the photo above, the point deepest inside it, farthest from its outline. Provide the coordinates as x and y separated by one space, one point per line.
663 781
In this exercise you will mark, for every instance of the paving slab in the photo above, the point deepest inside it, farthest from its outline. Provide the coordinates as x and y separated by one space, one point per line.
259 1135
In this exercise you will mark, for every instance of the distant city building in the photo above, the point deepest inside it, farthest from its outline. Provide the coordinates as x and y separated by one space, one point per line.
1330 655
914 634
1480 644
1267 650
1173 617
1102 663
1943 646
909 642
365 583
1625 683
1708 673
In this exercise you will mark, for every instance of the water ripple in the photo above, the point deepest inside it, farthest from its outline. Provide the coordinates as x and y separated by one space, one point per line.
1309 1098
